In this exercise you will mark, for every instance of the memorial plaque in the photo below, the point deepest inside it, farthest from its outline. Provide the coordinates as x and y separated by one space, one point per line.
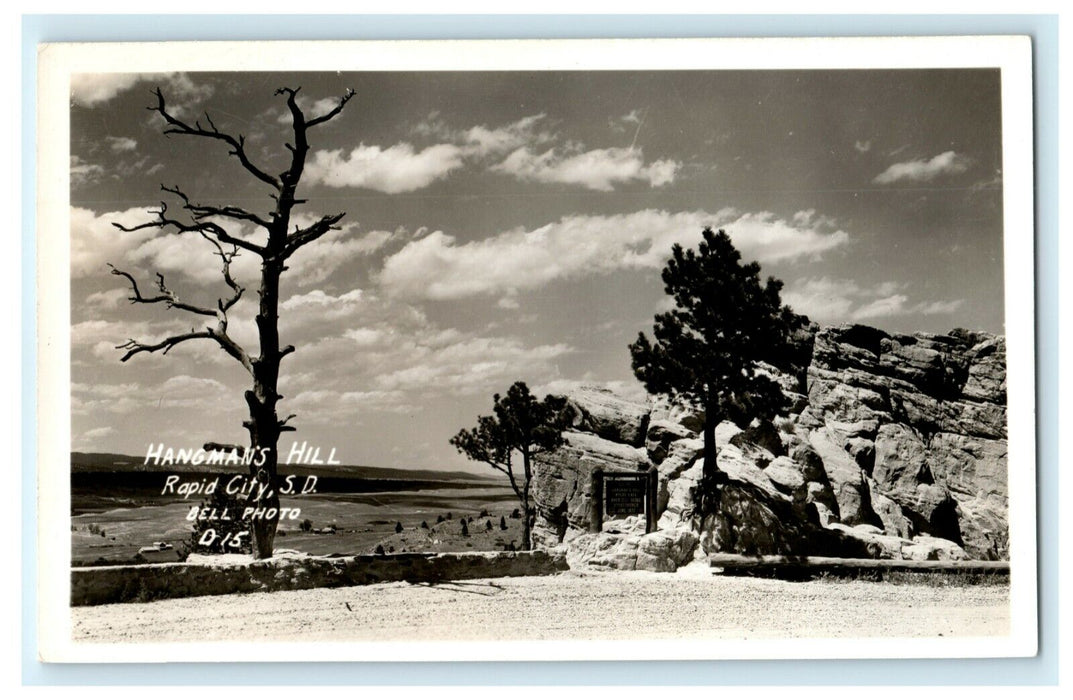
625 496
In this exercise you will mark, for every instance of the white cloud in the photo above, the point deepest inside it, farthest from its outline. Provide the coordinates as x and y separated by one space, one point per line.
599 169
316 261
893 305
120 144
939 307
398 168
99 337
392 347
181 391
862 146
108 299
840 300
322 305
95 241
822 299
472 365
947 163
96 433
438 267
483 141
92 89
83 173
404 168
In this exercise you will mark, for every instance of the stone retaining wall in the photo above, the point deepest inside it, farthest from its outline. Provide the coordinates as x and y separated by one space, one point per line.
99 585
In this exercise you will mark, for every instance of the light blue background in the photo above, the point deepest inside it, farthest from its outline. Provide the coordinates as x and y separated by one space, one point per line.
1042 669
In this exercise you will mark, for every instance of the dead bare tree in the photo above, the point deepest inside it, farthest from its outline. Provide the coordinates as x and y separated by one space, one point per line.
274 245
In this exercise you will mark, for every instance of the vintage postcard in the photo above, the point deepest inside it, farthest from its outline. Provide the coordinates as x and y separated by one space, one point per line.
536 350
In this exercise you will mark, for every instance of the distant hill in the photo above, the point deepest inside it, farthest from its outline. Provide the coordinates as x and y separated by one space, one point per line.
106 462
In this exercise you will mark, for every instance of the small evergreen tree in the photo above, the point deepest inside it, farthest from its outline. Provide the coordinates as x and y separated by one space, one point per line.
502 523
398 527
465 529
521 424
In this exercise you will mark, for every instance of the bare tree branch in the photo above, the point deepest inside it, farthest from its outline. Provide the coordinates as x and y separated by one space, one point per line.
134 347
338 108
237 144
311 233
225 264
218 334
166 296
162 221
222 447
200 212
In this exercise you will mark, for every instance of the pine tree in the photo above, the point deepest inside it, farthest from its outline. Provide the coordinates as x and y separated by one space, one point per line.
521 424
705 349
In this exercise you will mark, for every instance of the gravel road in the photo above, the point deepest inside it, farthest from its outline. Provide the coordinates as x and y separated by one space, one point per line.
693 603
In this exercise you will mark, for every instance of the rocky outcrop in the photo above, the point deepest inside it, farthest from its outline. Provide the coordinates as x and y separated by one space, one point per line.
894 447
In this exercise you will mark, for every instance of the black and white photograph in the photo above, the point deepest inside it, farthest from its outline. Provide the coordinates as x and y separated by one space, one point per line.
537 350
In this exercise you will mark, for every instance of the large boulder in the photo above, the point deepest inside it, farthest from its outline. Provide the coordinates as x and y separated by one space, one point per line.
847 479
903 474
656 551
562 482
601 412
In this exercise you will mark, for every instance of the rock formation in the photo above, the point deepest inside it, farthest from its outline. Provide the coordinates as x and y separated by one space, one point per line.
894 447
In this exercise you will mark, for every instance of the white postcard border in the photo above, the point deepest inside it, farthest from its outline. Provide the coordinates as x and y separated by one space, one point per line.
57 62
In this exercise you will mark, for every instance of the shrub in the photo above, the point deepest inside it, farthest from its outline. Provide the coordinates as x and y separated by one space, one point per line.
484 513
398 527
439 518
515 514
465 529
450 515
380 549
502 523
488 525
424 525
306 525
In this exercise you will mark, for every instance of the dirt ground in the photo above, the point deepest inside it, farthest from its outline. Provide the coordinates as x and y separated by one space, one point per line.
692 603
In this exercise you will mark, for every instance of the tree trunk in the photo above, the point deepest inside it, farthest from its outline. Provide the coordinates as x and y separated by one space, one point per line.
264 426
527 515
708 492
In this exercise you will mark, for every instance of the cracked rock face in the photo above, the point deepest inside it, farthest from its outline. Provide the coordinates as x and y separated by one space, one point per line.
894 447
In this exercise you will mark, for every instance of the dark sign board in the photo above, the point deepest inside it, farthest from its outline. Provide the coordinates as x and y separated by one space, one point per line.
625 495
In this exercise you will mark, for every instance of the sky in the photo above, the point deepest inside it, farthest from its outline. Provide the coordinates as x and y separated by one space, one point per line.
510 226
